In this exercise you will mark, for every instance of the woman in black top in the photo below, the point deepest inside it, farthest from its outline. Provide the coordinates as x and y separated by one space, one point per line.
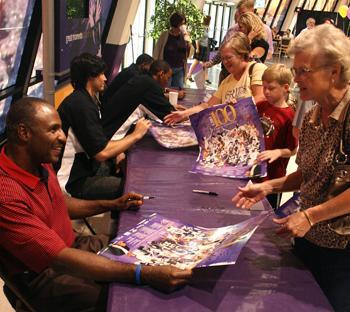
252 26
172 48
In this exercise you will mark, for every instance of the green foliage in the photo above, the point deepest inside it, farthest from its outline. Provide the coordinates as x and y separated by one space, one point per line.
164 9
77 9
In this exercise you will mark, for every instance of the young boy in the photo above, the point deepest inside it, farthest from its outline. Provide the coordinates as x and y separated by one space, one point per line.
280 143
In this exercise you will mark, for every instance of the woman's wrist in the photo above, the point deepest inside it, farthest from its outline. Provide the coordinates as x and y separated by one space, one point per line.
308 218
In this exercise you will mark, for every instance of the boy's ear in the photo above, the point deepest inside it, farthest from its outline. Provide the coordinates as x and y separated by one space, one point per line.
286 87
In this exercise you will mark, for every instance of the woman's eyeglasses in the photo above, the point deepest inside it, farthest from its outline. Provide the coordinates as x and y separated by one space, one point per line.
302 71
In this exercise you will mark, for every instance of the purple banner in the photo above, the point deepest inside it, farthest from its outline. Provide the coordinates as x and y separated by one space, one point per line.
74 36
160 241
230 138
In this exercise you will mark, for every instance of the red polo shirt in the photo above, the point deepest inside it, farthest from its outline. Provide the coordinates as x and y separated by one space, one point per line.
34 221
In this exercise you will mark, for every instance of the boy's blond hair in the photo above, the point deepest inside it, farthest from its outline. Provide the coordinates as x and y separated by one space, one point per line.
278 72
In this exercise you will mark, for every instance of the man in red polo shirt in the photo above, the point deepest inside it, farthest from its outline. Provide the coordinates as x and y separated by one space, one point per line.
37 244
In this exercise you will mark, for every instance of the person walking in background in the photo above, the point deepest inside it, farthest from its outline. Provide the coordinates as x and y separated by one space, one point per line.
172 48
251 25
310 24
201 54
242 7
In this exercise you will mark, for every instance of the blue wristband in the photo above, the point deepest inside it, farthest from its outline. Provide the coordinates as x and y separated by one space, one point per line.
138 274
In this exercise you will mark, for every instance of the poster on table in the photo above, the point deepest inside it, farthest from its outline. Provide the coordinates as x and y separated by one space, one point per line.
161 241
180 135
230 137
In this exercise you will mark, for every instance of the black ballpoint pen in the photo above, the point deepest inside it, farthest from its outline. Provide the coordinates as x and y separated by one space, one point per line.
205 192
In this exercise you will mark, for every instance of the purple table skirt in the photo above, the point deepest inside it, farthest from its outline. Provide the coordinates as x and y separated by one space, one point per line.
266 277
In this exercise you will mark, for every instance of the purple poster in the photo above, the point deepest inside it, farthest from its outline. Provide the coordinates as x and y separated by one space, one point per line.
230 137
180 135
160 241
289 207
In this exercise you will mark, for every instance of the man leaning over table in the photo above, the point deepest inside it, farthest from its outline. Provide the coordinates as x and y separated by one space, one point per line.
58 270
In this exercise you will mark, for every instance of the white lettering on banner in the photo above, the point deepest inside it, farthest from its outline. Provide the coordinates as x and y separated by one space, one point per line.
74 37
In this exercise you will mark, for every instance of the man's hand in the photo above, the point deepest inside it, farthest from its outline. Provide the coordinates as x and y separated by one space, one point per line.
251 194
129 200
118 162
207 64
294 225
165 278
181 95
180 107
175 117
141 127
270 155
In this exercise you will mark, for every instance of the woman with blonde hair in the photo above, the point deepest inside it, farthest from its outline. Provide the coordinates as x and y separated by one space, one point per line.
321 68
244 79
252 26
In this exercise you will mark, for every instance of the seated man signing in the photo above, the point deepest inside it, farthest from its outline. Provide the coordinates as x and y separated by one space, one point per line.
142 65
38 248
147 90
88 162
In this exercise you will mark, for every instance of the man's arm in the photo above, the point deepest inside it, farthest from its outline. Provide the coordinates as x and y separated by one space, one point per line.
113 148
79 208
89 265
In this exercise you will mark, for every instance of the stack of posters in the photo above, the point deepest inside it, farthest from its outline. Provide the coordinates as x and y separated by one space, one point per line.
160 241
180 135
230 137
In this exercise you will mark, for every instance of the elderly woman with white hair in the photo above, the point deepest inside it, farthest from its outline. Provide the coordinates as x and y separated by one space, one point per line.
322 70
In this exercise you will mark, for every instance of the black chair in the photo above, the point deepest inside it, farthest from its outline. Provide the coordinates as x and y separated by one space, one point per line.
14 294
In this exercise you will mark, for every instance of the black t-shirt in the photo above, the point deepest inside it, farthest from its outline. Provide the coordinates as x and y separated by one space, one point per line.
81 123
175 51
261 43
141 89
123 77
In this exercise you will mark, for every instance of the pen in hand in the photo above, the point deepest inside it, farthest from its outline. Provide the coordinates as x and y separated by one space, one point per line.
148 197
143 198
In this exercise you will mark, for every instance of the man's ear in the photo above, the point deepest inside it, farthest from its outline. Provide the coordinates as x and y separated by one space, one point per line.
23 132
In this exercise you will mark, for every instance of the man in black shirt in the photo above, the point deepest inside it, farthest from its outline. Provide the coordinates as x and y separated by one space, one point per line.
142 65
147 90
87 169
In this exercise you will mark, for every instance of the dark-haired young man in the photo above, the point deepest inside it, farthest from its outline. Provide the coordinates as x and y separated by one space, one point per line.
87 165
141 66
147 90
41 254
